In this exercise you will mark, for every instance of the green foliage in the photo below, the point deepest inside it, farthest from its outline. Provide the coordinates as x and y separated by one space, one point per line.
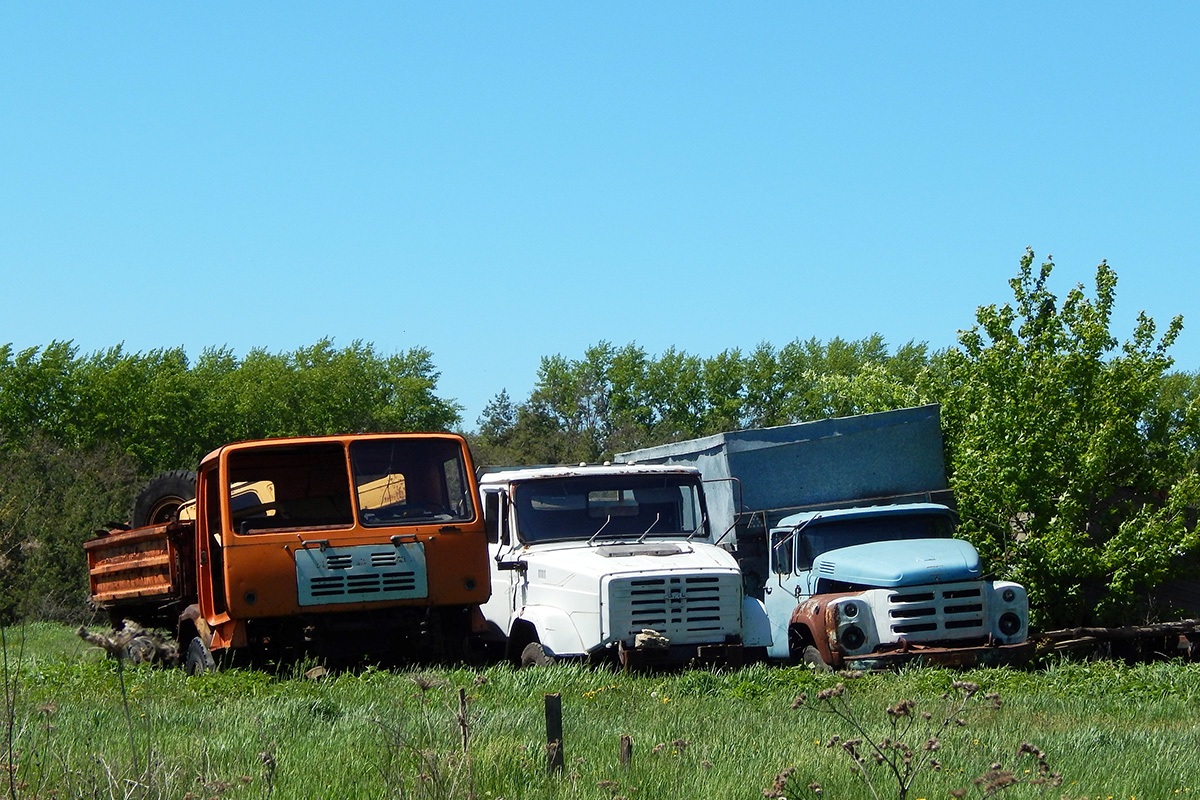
1075 457
166 413
1072 474
51 499
619 398
908 745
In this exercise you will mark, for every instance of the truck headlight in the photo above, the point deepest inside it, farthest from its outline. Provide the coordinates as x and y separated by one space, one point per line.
1009 622
853 637
1008 595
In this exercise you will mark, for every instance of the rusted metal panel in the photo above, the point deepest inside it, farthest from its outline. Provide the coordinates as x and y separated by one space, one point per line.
819 615
983 655
136 566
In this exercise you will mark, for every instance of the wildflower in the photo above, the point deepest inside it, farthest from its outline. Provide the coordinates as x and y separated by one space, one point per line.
778 787
829 694
425 683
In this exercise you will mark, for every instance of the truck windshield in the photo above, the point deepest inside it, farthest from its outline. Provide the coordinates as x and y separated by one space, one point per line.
608 507
289 486
410 481
824 535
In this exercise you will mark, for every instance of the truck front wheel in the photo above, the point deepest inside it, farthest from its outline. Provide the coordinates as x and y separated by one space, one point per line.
198 658
535 655
812 657
803 649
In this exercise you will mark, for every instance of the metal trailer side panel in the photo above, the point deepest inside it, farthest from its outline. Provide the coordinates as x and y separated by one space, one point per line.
139 567
811 464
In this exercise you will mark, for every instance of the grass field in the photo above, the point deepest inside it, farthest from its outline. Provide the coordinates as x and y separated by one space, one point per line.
77 726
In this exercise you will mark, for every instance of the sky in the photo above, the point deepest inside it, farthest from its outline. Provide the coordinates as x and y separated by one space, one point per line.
500 182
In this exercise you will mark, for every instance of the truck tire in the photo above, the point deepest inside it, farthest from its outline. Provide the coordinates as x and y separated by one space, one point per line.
812 657
198 658
159 502
534 655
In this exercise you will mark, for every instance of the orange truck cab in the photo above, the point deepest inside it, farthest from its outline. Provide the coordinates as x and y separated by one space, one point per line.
366 545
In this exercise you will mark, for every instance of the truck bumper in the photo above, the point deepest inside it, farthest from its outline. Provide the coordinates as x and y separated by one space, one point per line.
724 654
981 656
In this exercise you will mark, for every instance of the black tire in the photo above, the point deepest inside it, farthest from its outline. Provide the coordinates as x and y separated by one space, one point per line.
813 658
534 655
198 658
159 502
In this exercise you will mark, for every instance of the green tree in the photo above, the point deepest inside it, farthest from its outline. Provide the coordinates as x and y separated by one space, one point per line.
51 500
39 392
1063 477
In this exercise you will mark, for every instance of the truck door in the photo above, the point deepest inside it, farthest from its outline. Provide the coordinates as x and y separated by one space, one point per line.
210 552
507 582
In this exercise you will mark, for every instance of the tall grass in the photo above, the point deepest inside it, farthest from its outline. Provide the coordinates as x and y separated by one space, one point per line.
1110 730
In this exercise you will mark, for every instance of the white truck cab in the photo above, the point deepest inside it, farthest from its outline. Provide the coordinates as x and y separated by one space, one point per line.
611 562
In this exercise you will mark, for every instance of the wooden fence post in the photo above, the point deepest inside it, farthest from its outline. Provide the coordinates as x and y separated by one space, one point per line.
626 753
554 733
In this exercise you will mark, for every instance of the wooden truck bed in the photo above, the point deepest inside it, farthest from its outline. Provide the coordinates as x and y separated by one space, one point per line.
143 567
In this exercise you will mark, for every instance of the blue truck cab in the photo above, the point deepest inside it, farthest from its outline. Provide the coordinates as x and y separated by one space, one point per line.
872 586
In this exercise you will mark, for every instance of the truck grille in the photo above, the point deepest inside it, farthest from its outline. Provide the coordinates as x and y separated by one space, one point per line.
687 609
933 612
360 574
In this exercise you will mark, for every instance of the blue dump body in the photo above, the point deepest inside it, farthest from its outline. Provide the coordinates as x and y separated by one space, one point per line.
891 456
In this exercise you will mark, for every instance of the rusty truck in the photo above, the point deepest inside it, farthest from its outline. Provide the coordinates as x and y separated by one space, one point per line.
845 529
335 547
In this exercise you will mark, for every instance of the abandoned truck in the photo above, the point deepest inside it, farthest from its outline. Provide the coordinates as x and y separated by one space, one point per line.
842 527
612 562
336 546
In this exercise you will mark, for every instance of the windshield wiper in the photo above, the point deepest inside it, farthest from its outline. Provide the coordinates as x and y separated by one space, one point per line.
607 520
657 517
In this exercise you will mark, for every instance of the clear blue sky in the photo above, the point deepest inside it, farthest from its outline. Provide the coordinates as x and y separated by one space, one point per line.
500 182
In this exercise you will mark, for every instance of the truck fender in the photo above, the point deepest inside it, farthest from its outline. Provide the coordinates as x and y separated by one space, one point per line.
756 628
192 623
810 619
554 630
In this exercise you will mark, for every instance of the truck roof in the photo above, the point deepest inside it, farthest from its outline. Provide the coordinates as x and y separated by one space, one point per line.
831 514
499 475
340 437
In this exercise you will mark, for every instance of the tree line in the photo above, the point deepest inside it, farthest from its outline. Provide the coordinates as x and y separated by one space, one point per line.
1073 454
